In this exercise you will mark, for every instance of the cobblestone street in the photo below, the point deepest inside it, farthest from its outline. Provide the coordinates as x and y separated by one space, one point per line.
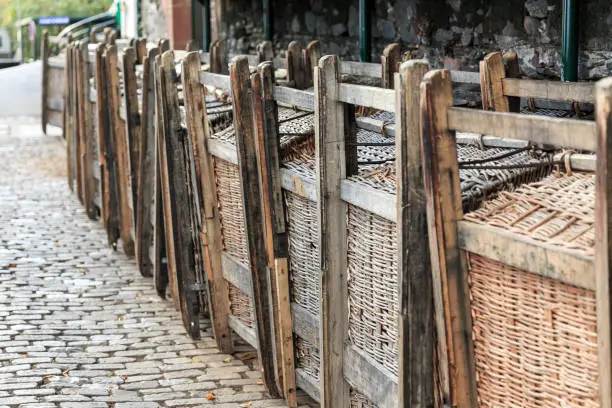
79 326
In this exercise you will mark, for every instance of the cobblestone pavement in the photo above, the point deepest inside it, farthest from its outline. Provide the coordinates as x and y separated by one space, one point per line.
79 326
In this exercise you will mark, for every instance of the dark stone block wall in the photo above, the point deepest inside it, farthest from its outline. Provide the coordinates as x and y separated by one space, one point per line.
449 33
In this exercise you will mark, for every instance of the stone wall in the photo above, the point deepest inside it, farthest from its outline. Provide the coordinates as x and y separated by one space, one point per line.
450 33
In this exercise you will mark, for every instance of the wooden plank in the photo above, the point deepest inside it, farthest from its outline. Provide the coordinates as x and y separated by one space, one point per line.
493 73
277 245
265 51
295 66
603 232
415 286
67 126
331 169
166 191
57 63
369 198
513 70
89 137
222 150
296 183
390 61
79 88
307 384
305 324
215 80
133 122
558 91
55 118
121 153
357 68
312 55
44 57
245 332
160 261
146 170
237 273
176 145
141 50
199 131
294 97
569 133
246 146
361 95
376 125
465 77
370 378
527 254
448 264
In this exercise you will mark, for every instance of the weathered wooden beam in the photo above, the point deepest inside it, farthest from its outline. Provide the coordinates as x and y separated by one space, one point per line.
198 130
80 84
331 169
44 57
603 233
390 61
121 153
295 66
266 112
448 264
416 314
146 170
246 147
176 145
88 135
493 73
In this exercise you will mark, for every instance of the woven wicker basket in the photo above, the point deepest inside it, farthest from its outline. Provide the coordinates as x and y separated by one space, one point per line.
535 339
358 400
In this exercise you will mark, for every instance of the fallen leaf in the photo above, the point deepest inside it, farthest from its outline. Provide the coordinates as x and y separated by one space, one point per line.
249 356
57 244
195 360
211 396
259 383
245 404
124 377
66 373
12 265
23 355
228 360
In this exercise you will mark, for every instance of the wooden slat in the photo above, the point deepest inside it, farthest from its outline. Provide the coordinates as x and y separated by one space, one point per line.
415 286
465 77
308 385
524 253
277 247
236 273
557 91
146 169
569 133
224 151
44 57
176 145
603 233
133 126
122 153
448 265
305 324
164 183
198 130
57 63
245 332
370 378
215 80
357 68
294 182
295 66
389 61
89 136
369 198
246 146
294 97
492 74
361 95
81 98
331 169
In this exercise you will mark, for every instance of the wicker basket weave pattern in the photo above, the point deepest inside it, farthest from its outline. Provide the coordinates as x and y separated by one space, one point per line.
307 358
535 338
372 286
358 400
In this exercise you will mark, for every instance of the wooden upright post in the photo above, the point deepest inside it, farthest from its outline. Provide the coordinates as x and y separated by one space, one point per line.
87 139
492 74
122 152
416 314
312 55
132 119
246 146
265 51
390 60
44 56
146 170
295 65
198 130
274 219
603 232
448 264
511 66
331 152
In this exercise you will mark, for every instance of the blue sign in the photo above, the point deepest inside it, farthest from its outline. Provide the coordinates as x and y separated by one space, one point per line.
53 20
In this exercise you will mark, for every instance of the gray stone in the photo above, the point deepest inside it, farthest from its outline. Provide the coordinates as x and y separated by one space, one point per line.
387 29
295 24
531 26
310 20
338 29
537 8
